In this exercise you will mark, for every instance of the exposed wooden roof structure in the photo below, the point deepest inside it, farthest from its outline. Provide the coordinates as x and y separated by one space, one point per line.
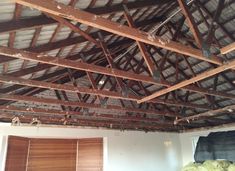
149 65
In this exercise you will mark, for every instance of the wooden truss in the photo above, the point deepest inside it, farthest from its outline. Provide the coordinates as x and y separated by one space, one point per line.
138 78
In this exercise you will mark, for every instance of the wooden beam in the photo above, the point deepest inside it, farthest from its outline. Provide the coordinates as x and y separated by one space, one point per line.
211 29
92 116
97 92
190 20
212 113
73 80
74 28
61 87
54 112
97 69
92 20
20 54
141 46
109 59
83 105
90 122
227 49
39 21
228 34
199 77
73 41
27 23
42 67
131 5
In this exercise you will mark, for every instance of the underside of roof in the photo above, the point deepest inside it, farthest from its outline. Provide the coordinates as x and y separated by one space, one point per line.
152 65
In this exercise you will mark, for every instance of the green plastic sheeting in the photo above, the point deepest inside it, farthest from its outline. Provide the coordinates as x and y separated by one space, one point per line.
210 165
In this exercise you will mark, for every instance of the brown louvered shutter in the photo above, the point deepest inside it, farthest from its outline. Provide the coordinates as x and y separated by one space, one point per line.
17 152
90 154
52 155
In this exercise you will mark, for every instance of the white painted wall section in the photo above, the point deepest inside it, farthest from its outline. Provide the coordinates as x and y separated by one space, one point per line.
124 151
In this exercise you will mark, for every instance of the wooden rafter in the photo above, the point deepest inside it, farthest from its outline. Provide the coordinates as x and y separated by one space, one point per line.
97 69
220 25
74 28
227 49
199 77
70 41
141 46
107 123
192 24
208 114
211 29
83 90
83 105
107 25
127 72
74 65
54 112
34 22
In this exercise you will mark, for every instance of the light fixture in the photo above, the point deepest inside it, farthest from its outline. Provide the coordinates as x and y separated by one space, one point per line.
101 82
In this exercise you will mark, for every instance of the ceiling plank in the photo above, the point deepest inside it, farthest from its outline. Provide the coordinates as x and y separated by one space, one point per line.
92 20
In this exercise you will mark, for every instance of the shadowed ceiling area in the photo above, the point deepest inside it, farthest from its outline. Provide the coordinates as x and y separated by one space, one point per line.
150 65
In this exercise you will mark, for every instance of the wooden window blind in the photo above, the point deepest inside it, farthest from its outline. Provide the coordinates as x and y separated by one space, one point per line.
26 154
17 152
90 154
52 155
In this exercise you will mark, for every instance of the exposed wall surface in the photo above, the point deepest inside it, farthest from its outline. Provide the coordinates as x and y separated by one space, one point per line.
123 151
126 151
3 145
187 139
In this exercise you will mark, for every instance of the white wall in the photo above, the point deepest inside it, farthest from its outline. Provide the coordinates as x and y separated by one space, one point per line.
186 140
3 151
126 151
